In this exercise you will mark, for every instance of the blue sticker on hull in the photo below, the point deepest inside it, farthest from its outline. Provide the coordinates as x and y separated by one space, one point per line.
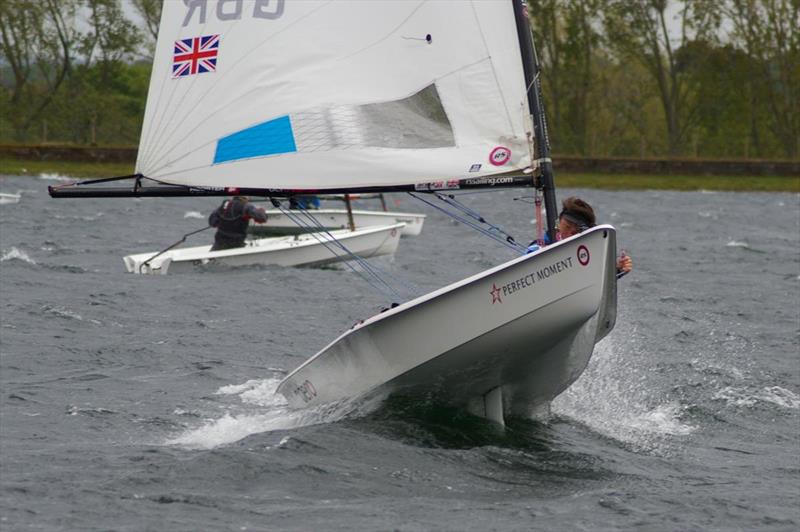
268 138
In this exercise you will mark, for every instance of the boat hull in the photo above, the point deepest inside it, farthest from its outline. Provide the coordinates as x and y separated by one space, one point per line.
299 250
527 327
278 223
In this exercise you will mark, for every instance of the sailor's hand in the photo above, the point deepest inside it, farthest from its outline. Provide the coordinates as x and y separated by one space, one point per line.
624 263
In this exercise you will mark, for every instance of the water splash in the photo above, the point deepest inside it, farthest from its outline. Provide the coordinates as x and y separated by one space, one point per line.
614 398
274 414
737 244
62 312
16 254
54 177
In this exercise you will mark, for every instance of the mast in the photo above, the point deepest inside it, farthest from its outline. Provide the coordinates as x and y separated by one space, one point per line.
530 65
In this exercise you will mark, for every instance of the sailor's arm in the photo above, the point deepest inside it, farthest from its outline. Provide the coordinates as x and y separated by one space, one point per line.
624 263
258 214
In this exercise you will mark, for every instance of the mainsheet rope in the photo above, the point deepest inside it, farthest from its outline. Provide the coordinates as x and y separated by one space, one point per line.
494 232
375 276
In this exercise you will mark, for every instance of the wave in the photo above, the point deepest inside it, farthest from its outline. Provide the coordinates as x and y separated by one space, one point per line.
613 398
750 396
62 312
16 254
55 177
274 414
737 244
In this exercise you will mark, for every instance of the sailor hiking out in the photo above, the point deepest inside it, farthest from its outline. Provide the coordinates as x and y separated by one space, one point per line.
231 220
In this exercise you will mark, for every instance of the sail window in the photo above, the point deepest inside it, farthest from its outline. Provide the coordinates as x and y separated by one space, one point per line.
416 122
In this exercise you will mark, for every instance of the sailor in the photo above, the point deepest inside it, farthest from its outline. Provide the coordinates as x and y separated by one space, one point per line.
577 216
231 220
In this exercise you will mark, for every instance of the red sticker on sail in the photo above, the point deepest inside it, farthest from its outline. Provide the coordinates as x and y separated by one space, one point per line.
500 156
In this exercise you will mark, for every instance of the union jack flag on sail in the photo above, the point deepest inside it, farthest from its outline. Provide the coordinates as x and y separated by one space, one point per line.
195 56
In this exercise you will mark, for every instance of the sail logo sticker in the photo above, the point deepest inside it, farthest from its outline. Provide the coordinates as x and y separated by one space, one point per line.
306 391
195 56
583 255
449 184
500 156
495 294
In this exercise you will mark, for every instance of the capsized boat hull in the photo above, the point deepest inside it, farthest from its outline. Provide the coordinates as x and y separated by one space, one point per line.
527 327
300 250
278 223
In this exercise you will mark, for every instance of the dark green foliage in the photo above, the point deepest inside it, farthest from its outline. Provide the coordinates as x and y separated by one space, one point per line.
625 78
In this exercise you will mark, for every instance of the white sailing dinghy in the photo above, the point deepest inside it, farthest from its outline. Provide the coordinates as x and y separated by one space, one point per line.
310 249
279 222
277 99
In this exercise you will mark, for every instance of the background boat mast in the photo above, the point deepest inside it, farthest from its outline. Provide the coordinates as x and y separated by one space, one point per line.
530 65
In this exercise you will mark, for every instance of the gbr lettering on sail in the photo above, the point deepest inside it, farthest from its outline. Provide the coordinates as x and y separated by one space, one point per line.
199 10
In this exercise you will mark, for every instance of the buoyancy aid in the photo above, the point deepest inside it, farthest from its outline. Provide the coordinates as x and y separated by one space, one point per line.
232 220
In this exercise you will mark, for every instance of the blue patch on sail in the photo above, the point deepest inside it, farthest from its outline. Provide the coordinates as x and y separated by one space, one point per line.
269 138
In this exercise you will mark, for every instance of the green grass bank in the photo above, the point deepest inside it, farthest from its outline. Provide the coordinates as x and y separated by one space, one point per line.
607 181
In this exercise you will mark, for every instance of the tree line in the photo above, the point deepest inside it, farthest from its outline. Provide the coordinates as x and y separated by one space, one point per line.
627 78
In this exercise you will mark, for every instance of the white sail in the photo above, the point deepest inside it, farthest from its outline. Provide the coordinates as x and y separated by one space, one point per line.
334 94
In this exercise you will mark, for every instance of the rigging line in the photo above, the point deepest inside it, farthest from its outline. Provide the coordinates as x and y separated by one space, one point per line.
327 244
469 223
379 273
450 200
156 159
364 264
509 240
374 270
299 222
182 240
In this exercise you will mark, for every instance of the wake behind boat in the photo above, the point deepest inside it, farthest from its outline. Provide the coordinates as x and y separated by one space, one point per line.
280 223
312 249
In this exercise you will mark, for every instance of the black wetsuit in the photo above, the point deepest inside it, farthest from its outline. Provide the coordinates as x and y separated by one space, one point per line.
231 220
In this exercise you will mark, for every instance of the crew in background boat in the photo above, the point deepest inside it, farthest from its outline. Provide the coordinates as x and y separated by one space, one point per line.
577 216
231 220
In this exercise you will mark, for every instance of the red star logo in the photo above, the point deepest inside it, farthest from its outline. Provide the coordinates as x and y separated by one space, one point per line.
495 294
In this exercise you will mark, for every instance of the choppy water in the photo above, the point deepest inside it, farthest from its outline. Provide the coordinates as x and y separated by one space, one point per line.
147 403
